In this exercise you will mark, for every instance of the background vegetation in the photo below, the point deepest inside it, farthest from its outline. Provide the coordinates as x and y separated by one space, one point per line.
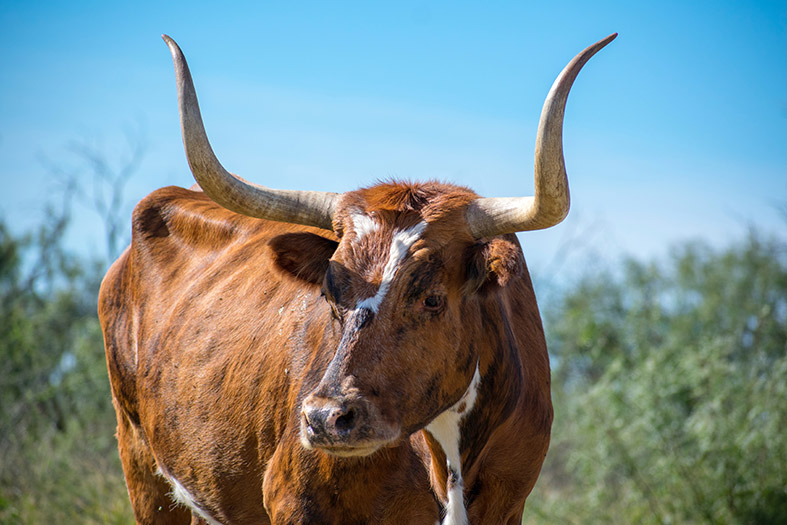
670 389
669 385
58 454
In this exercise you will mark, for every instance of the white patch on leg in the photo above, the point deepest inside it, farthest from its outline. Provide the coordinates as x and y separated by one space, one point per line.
182 496
400 245
445 429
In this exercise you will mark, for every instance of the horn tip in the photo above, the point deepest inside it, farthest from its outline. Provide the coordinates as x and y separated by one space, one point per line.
169 41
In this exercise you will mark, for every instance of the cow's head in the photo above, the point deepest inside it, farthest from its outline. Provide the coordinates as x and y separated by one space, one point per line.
400 284
401 281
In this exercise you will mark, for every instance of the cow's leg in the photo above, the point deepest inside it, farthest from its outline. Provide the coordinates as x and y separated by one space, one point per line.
496 504
148 491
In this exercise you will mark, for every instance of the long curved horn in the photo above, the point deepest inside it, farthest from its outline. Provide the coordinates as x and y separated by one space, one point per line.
488 217
311 208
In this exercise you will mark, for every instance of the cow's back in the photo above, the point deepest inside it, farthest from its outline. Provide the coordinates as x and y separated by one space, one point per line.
206 396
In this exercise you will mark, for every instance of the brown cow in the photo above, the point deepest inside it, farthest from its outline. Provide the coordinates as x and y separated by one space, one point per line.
280 356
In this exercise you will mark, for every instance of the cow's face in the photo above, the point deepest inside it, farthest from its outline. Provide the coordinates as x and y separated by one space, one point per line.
401 286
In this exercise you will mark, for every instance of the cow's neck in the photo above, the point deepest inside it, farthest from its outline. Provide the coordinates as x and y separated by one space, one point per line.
445 431
462 430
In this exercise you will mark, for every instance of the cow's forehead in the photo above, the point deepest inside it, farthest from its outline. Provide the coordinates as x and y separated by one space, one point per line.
376 246
387 226
399 205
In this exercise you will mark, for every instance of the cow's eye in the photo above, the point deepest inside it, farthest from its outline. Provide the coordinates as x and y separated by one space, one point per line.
433 303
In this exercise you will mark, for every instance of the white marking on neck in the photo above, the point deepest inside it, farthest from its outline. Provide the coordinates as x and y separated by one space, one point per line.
363 225
445 429
400 244
182 496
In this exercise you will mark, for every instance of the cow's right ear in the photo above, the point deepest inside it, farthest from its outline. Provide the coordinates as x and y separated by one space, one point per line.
303 255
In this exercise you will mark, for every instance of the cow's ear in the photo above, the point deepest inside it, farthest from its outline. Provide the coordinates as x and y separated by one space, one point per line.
303 255
491 264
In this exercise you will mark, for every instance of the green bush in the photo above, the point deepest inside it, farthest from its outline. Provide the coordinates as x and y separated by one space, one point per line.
670 388
59 461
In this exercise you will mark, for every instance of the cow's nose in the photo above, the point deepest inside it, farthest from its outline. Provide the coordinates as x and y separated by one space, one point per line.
331 420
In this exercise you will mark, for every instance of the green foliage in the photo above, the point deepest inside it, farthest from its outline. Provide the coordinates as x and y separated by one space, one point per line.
670 389
59 460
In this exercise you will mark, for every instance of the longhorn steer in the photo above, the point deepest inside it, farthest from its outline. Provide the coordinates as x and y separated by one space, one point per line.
300 357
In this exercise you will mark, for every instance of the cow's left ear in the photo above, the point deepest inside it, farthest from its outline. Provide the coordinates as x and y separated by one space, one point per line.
492 264
303 255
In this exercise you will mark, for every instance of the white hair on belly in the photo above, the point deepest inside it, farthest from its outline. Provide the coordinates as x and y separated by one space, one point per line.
182 496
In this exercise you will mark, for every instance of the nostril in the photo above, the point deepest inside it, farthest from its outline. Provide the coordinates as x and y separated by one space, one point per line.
345 423
330 420
312 422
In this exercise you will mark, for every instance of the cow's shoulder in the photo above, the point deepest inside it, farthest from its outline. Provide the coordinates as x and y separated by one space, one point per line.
174 217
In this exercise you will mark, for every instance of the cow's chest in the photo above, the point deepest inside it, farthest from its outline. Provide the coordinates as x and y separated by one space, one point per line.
391 487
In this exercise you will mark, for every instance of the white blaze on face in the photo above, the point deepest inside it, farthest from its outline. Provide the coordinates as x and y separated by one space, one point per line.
363 225
445 428
400 245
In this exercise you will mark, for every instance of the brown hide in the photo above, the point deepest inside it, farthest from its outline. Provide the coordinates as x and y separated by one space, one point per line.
216 331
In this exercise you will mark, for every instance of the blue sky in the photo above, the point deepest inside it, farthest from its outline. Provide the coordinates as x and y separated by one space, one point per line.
676 131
